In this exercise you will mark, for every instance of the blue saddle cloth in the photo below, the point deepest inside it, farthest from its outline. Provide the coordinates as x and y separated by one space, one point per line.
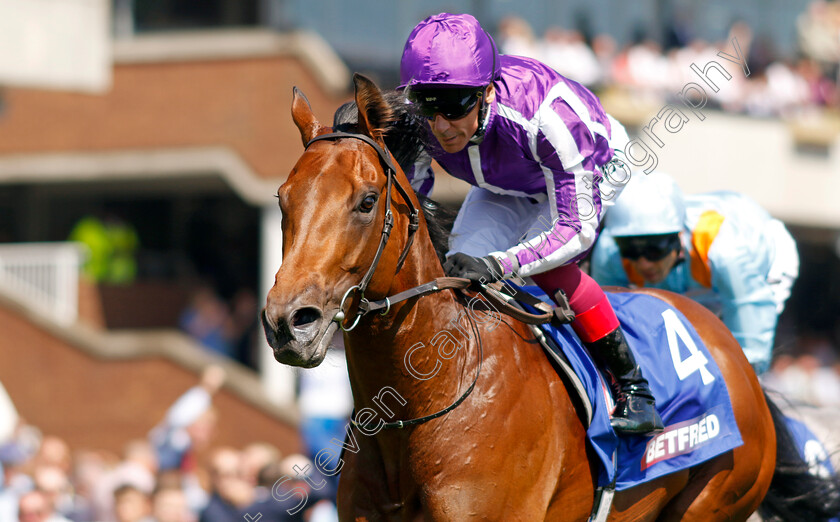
691 395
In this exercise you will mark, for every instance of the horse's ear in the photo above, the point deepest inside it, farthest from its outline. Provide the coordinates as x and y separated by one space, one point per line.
303 116
374 112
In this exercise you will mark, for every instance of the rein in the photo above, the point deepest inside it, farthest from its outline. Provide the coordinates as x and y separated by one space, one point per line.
420 420
383 306
387 225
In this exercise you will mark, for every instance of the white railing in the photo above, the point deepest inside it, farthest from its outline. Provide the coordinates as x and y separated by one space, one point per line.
44 275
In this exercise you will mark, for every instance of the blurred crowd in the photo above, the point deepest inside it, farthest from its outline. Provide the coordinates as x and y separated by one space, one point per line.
225 327
650 71
808 375
175 474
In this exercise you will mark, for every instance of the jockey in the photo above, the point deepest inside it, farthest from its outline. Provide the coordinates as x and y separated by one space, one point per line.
720 248
535 146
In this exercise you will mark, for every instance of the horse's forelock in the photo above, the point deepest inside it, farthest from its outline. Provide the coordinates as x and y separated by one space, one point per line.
405 134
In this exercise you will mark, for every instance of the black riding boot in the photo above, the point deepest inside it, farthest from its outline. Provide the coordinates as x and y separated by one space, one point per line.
635 407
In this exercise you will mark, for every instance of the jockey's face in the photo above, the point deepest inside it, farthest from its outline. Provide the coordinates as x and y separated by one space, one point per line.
454 135
655 271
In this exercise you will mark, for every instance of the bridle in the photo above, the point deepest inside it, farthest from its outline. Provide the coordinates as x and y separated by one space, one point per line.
366 306
414 223
441 283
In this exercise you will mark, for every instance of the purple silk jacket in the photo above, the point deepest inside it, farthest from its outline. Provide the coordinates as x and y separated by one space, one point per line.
546 138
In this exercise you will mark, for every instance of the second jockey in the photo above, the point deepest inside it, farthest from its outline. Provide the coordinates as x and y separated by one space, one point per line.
536 147
719 248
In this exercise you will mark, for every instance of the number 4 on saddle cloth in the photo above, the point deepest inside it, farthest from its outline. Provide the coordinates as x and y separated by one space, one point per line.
690 392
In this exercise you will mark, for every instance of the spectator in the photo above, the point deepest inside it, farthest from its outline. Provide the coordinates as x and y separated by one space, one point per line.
244 326
138 469
255 457
567 53
54 483
170 505
90 472
271 508
8 497
605 49
132 504
207 320
516 37
808 376
230 492
36 506
817 28
54 451
189 423
821 91
293 490
15 460
648 75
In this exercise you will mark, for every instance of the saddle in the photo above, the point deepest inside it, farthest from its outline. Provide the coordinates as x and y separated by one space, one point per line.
691 394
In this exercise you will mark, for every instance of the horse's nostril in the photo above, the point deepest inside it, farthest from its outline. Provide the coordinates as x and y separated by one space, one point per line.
305 316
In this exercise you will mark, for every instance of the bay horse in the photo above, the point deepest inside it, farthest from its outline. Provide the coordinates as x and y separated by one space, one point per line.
491 433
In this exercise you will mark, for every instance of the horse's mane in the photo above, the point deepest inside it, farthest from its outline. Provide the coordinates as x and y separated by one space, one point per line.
405 137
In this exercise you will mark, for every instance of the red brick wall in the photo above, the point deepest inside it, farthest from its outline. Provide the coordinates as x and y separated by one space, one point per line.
243 103
101 404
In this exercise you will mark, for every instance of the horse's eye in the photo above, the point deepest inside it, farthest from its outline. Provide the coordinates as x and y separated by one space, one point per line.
368 203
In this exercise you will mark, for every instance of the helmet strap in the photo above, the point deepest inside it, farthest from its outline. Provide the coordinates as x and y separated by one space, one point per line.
483 116
682 253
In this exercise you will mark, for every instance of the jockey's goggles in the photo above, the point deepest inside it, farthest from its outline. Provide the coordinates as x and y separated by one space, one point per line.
452 103
653 248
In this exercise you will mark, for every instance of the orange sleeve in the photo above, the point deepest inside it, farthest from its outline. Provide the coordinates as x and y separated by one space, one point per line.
702 237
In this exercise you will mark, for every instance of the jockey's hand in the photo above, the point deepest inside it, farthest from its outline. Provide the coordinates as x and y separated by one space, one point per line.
479 270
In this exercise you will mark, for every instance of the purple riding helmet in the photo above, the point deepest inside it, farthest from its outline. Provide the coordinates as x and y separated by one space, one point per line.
447 63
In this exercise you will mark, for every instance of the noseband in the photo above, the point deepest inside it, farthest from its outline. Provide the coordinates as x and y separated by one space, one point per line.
437 285
387 225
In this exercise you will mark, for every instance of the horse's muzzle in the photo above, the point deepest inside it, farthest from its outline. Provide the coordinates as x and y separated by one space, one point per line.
299 338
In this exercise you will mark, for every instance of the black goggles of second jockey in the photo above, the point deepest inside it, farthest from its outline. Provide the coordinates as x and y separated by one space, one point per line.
453 103
653 248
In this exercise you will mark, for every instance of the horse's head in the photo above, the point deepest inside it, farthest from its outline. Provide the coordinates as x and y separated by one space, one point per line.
334 207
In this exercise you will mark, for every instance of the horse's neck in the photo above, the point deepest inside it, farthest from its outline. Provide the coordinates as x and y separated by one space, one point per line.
396 351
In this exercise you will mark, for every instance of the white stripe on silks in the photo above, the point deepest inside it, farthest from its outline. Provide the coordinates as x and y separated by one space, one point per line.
558 135
422 171
560 138
562 90
532 129
531 126
577 244
475 164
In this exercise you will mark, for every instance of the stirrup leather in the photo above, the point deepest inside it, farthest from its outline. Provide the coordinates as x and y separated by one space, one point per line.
563 312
